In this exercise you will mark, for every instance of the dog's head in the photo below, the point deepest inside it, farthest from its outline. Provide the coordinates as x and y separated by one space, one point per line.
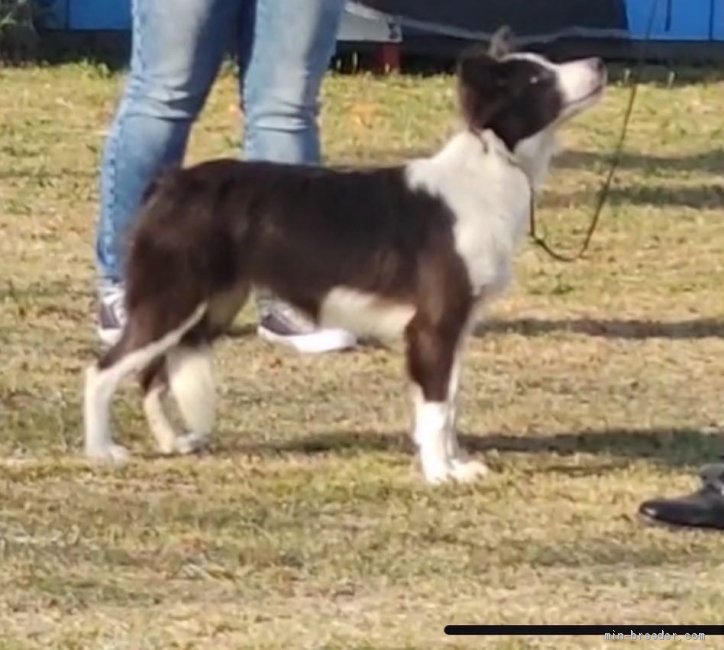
521 96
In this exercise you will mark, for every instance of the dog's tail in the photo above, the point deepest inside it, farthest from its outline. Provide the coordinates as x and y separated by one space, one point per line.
167 271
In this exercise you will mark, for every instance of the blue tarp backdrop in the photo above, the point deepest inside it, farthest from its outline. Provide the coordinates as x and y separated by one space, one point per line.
87 14
676 20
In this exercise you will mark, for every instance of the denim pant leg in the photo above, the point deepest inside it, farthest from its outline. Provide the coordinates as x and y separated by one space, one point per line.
293 42
177 50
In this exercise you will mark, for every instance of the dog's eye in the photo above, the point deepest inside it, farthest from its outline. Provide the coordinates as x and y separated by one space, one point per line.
534 80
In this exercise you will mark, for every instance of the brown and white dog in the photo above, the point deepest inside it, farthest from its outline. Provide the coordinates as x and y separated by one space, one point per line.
411 250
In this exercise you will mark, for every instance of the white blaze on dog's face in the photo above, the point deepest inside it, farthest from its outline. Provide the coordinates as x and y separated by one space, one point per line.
579 84
523 98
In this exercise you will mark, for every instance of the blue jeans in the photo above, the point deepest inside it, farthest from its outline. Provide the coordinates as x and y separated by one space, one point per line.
284 48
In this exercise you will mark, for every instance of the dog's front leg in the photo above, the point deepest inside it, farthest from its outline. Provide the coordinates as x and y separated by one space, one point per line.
434 369
430 359
430 435
463 469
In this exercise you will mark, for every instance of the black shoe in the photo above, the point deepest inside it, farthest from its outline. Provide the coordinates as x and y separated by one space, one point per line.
702 509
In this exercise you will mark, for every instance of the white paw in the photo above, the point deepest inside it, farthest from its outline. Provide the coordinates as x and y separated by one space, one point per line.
455 470
437 478
167 448
110 453
436 471
190 443
468 471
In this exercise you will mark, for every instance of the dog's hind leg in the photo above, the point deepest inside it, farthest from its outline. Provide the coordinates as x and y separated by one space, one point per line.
100 385
187 376
135 351
186 372
191 377
154 383
190 370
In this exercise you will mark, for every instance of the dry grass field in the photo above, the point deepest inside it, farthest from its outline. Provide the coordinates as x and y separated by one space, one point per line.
592 386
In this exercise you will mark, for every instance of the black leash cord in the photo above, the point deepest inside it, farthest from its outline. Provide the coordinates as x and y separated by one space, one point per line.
615 162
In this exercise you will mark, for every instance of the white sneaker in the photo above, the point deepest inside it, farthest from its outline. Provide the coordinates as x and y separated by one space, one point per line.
111 314
282 324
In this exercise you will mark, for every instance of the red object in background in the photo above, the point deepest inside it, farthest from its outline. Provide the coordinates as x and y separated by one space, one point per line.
387 58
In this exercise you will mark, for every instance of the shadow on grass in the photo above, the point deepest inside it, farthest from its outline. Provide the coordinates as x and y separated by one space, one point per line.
710 161
704 197
672 447
635 329
615 329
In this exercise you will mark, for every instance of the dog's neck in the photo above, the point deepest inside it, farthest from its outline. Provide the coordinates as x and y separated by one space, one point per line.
532 155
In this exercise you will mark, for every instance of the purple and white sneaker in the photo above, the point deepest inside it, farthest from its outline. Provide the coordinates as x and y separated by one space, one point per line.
282 324
111 314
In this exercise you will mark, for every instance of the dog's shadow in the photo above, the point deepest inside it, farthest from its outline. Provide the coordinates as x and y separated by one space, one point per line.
632 329
672 447
682 447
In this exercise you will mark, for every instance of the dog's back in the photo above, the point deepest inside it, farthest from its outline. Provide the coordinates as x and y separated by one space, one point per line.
296 230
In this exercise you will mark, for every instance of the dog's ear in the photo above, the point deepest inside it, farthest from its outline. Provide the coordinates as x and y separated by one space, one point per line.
477 69
483 87
501 44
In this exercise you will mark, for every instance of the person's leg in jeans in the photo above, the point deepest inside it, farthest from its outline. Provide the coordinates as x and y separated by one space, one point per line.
291 47
177 51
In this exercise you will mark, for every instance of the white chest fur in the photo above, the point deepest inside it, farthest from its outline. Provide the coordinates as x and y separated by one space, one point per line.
489 196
